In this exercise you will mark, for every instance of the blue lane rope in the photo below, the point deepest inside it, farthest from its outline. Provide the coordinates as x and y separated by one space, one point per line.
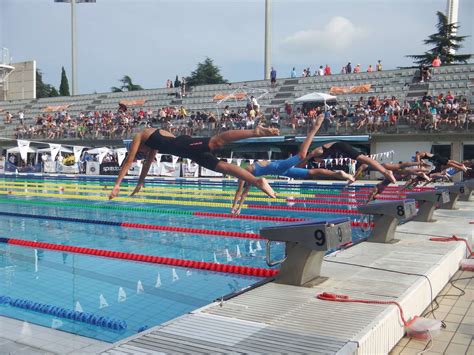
84 317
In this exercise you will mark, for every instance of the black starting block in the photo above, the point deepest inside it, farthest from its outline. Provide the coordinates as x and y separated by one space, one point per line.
386 216
427 203
468 189
306 244
455 190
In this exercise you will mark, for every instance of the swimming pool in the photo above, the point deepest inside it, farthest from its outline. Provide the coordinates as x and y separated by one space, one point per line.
173 219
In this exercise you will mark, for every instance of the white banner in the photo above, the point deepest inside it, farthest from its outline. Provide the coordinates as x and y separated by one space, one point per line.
23 147
210 173
155 169
54 150
135 169
49 167
92 168
2 166
121 153
68 169
77 153
239 162
170 169
190 169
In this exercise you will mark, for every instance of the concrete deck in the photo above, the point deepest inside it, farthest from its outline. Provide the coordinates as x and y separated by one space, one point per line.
277 318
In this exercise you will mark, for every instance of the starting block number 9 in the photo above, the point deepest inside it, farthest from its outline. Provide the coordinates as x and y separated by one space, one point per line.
320 237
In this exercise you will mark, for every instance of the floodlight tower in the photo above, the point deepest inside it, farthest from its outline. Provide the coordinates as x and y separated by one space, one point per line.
268 19
73 40
452 10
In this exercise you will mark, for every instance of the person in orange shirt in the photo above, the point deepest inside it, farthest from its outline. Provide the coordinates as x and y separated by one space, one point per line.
357 68
370 69
436 62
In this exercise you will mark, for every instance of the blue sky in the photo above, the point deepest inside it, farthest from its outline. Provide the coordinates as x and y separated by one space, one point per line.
154 40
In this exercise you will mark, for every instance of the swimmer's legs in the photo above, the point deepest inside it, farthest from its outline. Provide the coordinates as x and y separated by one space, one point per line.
377 166
309 138
325 173
227 137
238 172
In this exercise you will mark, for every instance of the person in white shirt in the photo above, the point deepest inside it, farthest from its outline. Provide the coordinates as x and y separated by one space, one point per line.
321 71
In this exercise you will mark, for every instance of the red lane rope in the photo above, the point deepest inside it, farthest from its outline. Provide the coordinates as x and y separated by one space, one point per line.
307 209
453 239
326 296
225 268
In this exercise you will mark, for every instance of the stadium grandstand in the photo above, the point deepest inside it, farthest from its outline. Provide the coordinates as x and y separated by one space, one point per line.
403 85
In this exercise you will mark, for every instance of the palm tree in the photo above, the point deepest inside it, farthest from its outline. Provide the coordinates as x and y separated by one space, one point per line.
127 85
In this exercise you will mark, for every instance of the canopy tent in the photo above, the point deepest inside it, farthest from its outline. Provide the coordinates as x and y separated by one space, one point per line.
315 97
16 150
48 150
99 150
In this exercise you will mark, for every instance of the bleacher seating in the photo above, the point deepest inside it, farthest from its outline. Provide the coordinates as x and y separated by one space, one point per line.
459 79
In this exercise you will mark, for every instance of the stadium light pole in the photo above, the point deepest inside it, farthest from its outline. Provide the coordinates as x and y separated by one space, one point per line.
267 58
73 40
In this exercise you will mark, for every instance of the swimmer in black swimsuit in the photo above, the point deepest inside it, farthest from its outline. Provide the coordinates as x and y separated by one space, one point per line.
440 162
152 140
345 150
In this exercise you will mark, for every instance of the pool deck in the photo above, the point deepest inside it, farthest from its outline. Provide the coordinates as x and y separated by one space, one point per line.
277 318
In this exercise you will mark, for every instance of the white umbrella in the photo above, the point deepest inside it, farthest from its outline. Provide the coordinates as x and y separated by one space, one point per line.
315 97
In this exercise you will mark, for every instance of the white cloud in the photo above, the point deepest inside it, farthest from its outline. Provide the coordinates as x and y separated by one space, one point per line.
336 36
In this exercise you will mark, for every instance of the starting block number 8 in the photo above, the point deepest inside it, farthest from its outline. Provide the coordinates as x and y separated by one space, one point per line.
400 210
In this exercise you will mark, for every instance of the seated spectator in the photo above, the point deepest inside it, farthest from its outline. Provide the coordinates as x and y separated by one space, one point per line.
425 73
320 71
8 118
370 69
436 62
357 68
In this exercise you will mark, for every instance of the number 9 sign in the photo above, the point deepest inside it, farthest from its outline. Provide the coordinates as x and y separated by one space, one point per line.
320 237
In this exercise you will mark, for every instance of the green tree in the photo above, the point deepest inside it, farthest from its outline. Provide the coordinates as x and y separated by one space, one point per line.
177 83
42 89
64 86
127 85
444 43
206 73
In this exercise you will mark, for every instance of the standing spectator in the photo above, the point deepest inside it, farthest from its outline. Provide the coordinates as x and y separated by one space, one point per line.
370 69
379 65
254 104
349 68
320 71
177 83
288 110
273 77
327 70
436 62
183 87
293 73
21 116
8 117
357 68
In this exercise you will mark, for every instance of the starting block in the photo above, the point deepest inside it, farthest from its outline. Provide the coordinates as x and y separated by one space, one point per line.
386 216
468 189
455 191
306 244
427 203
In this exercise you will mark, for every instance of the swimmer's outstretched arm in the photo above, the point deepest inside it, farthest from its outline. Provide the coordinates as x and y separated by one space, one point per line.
145 168
137 140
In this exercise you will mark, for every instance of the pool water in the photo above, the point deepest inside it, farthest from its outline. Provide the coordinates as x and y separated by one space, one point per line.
140 294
